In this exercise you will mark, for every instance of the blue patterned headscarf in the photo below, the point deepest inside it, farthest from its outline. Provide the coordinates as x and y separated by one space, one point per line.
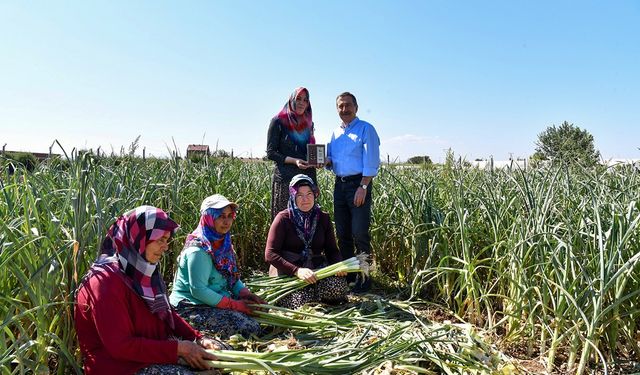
217 245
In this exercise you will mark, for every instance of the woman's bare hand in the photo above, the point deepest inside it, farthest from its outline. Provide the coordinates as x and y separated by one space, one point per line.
302 164
307 275
210 344
195 355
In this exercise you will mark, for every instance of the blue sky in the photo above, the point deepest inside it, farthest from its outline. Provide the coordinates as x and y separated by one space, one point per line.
481 78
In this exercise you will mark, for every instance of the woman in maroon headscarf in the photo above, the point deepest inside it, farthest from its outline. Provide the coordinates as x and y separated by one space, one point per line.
123 319
300 241
289 133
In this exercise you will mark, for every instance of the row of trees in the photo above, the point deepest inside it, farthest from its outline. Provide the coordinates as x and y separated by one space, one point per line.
567 144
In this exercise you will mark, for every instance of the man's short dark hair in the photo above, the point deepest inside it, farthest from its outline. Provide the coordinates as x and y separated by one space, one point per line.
347 93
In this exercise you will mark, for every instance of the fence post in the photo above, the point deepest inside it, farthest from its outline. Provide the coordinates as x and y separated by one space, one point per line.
51 148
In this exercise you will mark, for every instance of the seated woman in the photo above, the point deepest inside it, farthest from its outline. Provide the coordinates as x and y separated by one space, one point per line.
300 240
123 319
207 290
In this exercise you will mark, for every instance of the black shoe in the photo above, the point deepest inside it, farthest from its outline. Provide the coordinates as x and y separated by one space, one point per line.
351 277
362 286
336 302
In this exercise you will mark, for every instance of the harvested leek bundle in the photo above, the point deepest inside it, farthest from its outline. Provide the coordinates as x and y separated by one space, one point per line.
318 322
411 346
272 289
338 358
293 319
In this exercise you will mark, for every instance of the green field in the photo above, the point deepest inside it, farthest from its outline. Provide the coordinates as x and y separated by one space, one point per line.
542 262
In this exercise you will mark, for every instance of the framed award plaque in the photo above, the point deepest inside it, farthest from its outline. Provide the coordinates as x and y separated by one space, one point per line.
315 154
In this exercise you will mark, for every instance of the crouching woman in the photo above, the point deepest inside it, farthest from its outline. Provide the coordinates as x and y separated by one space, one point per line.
124 322
207 289
301 240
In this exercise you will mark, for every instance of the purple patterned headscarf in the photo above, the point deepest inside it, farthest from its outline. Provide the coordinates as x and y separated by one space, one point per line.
304 222
125 244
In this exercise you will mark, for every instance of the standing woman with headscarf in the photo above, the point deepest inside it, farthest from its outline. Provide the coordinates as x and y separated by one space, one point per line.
289 133
123 319
301 240
207 290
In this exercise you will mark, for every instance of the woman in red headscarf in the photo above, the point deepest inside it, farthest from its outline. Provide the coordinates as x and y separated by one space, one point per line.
124 322
289 133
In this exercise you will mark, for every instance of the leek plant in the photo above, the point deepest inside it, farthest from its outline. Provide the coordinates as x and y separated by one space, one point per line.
544 258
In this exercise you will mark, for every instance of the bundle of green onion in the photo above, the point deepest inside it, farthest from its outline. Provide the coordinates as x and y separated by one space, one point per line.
306 320
339 357
408 347
272 289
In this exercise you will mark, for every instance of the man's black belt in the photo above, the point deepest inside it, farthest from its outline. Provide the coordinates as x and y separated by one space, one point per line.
355 177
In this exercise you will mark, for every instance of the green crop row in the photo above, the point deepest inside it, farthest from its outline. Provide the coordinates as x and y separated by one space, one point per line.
546 257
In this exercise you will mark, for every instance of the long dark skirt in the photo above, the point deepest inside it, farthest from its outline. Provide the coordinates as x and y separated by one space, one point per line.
279 196
331 290
218 322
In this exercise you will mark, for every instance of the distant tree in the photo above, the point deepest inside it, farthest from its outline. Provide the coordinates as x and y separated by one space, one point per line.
566 143
537 159
220 153
196 158
27 159
419 160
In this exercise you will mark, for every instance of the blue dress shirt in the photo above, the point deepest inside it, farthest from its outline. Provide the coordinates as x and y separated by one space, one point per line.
354 149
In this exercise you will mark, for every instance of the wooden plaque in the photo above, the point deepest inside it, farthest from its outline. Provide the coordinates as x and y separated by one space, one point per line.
315 154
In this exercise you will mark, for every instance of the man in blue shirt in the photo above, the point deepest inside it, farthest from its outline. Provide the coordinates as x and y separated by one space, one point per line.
354 156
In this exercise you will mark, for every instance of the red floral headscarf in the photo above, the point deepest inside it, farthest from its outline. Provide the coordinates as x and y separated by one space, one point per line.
299 127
